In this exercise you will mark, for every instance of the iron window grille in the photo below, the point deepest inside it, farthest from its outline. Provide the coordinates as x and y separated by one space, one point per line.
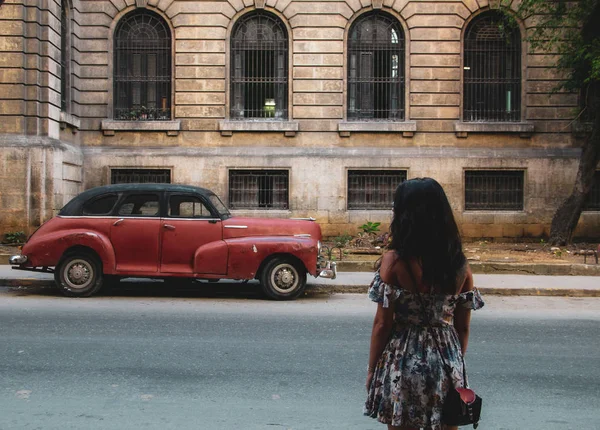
592 202
492 69
368 189
258 189
140 176
259 67
65 47
376 68
142 68
497 190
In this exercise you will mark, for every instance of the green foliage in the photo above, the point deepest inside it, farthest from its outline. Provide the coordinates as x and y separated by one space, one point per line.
14 237
341 241
370 227
569 30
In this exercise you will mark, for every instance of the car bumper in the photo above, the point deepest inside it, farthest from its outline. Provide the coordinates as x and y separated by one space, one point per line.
17 259
329 271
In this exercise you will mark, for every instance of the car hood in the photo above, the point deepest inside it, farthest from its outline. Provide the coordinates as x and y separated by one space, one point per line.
242 226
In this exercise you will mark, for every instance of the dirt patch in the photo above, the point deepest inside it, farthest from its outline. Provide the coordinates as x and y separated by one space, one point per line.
501 252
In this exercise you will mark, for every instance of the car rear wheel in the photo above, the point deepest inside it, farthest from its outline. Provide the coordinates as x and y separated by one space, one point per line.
79 275
283 279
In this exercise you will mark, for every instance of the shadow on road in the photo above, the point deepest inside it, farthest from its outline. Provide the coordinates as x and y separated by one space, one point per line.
159 288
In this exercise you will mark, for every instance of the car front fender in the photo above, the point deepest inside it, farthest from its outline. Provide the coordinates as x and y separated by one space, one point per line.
247 254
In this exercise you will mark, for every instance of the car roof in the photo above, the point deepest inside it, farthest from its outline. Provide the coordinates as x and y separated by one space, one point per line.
73 207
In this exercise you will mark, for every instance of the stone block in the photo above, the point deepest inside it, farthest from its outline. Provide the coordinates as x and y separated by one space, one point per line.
317 99
435 87
321 85
512 230
324 8
312 20
448 47
318 73
435 112
196 46
442 9
534 230
435 21
440 73
435 99
203 20
319 46
192 72
199 98
318 60
201 8
201 33
209 59
435 34
321 33
307 112
197 85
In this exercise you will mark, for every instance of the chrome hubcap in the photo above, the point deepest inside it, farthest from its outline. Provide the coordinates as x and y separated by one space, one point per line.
284 278
78 274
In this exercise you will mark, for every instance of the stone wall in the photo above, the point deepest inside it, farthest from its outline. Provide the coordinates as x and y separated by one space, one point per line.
317 145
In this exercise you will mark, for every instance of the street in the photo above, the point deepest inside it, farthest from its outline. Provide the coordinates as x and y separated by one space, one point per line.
201 361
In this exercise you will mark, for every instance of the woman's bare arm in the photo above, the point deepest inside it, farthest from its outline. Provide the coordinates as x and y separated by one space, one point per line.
384 319
462 316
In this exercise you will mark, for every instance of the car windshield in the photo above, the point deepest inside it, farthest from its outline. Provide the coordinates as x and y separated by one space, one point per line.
218 204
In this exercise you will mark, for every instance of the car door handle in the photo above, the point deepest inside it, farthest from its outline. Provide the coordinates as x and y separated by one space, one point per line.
118 222
169 226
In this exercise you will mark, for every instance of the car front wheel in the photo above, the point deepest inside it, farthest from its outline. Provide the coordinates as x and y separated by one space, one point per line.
283 279
79 275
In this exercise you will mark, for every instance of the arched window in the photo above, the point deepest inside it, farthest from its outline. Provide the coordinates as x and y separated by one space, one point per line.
259 67
142 67
65 56
492 69
376 68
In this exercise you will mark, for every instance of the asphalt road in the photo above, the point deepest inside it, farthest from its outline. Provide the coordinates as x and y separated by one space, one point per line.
199 362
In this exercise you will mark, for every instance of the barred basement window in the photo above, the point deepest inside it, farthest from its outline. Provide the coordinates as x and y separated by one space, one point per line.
371 189
65 55
492 69
376 68
258 189
142 70
140 176
259 67
498 190
593 201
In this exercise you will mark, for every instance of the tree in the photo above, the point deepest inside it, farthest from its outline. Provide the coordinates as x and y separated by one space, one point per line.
572 30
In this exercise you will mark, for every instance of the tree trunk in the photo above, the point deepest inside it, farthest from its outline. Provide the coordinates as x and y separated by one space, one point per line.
567 215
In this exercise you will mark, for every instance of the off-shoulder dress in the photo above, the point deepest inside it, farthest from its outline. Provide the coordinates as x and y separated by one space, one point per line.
410 383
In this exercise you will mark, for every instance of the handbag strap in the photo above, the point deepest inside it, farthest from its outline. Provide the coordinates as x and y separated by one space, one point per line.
427 316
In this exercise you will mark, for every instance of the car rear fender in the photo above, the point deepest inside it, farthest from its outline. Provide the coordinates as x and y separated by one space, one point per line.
48 250
247 255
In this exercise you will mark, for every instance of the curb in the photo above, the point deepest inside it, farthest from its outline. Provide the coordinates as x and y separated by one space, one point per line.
362 289
499 268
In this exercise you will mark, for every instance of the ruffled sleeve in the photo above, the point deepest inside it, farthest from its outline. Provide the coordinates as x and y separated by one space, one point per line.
471 299
383 293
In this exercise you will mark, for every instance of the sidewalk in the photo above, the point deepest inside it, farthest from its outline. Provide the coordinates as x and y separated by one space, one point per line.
358 282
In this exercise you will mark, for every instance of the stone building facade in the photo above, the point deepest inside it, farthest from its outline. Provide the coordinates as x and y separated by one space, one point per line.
286 108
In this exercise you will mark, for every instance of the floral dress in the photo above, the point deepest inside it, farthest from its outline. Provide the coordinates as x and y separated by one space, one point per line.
410 383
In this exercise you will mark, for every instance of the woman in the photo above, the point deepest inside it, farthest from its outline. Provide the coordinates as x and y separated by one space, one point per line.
424 288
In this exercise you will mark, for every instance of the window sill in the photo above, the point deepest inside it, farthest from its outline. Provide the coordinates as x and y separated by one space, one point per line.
407 128
289 128
462 129
68 120
110 126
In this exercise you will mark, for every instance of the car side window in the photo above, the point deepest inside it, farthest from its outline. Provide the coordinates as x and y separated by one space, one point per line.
188 207
140 205
102 205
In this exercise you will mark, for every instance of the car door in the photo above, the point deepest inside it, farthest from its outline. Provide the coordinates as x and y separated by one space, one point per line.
135 233
192 237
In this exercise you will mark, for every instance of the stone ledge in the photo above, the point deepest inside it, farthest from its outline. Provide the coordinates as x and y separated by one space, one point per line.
109 126
68 120
525 129
407 128
289 128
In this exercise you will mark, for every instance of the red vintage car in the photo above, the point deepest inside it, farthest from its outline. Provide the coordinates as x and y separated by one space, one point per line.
170 231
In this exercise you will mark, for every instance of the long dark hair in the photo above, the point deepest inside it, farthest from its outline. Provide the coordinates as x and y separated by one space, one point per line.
423 228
